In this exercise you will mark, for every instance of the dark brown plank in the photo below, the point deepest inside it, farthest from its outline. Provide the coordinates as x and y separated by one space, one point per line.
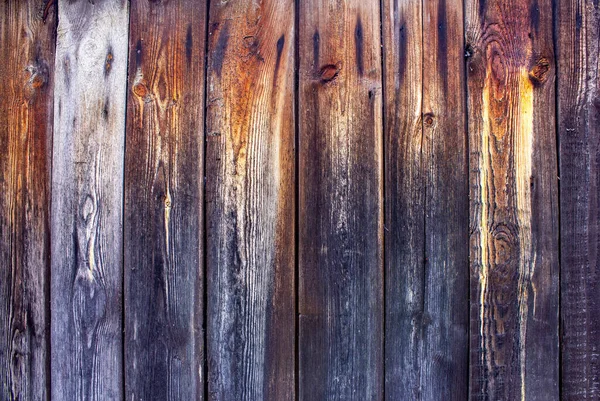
578 41
250 200
340 201
87 200
164 306
444 150
514 205
27 48
404 197
426 201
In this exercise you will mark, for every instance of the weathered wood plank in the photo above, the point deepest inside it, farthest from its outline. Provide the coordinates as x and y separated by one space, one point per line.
27 32
340 201
250 200
514 210
87 196
578 42
445 356
404 197
426 201
164 303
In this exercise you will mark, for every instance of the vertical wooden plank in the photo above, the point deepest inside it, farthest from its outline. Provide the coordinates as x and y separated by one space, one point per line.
87 196
578 38
514 210
250 200
444 368
340 201
404 197
27 44
164 303
426 201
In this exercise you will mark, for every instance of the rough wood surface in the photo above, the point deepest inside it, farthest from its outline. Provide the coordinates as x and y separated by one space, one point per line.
164 304
300 199
26 88
578 40
250 200
340 201
514 205
426 201
444 361
404 197
87 200
444 150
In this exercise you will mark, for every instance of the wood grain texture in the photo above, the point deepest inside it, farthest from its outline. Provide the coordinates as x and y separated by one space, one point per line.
340 201
250 200
87 198
404 197
164 303
578 41
444 368
426 201
514 210
27 50
447 209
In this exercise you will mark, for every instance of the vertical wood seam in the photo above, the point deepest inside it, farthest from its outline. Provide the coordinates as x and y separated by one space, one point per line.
423 163
467 174
50 142
123 199
383 200
296 199
558 189
204 216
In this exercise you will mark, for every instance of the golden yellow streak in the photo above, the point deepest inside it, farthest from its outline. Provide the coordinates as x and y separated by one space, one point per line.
523 146
484 198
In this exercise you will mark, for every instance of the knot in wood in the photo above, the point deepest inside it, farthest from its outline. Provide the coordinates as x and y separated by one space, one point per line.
37 80
428 119
329 72
141 90
539 72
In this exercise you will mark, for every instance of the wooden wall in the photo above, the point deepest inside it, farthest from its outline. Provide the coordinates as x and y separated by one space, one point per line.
300 200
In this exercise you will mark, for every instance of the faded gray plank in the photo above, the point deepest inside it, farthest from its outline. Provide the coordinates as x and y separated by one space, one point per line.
87 196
